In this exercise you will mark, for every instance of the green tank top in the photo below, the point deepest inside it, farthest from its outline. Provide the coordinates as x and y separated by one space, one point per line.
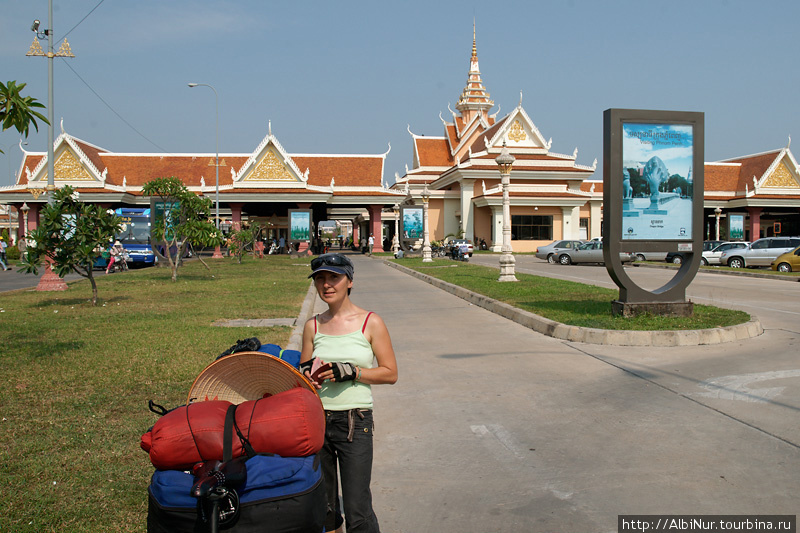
350 348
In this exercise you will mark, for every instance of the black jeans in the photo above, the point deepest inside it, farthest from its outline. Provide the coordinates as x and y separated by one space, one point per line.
352 460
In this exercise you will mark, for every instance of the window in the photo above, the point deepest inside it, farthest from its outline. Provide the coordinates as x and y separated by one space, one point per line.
532 227
758 245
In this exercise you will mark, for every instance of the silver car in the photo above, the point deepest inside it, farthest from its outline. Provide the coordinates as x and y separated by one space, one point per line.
589 252
711 257
760 253
550 252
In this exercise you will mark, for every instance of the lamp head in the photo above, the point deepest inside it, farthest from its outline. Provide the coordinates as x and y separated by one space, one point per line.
35 26
192 85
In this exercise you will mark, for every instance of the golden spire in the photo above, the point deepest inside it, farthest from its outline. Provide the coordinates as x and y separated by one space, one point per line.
474 47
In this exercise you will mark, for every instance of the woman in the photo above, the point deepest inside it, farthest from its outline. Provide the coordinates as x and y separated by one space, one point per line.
339 346
115 256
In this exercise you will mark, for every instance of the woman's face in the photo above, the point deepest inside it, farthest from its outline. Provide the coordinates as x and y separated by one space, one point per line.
331 286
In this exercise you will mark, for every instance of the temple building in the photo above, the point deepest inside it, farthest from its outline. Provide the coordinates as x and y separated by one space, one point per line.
259 187
550 195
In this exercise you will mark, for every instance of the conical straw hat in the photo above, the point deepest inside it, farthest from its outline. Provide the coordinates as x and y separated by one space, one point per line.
245 376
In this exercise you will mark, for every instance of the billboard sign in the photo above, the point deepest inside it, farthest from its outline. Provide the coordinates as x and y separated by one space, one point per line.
657 161
652 195
300 225
735 227
412 222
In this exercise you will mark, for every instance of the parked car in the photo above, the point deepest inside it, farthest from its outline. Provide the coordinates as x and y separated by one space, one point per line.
711 257
589 252
549 252
760 253
678 257
461 243
788 262
649 256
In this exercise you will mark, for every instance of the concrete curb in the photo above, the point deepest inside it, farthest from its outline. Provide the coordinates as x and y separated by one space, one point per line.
306 310
565 332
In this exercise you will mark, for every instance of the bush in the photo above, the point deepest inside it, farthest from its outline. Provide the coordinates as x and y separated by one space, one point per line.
12 253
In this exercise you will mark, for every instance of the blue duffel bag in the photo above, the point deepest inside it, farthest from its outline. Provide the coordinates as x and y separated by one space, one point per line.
281 494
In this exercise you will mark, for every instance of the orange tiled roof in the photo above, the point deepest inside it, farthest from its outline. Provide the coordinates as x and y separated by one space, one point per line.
352 171
433 152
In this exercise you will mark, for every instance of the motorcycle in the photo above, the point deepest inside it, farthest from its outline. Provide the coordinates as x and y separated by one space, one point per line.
120 262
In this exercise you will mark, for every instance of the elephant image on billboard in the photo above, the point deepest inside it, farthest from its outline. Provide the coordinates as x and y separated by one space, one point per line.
657 190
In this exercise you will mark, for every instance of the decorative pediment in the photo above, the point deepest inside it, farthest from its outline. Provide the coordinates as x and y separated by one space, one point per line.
270 166
781 177
518 131
70 166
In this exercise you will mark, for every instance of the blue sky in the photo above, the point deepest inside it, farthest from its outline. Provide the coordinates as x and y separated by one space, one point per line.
350 76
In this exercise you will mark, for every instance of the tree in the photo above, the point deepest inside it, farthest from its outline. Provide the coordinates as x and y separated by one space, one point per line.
240 241
16 111
72 234
182 218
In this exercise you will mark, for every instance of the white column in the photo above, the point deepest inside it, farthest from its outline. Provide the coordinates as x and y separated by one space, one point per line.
497 228
467 192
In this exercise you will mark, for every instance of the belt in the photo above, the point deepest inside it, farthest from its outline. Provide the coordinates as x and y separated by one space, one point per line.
351 420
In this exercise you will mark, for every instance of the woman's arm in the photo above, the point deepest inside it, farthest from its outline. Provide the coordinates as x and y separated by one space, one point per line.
378 336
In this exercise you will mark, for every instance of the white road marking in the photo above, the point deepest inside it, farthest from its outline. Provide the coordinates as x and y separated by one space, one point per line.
737 387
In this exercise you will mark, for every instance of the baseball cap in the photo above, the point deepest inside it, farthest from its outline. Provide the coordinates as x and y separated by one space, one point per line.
338 263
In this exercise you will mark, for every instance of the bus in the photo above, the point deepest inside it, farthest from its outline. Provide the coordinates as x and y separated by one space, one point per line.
135 235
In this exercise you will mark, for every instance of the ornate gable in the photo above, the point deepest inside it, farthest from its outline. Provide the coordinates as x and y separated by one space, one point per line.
519 131
71 166
782 176
269 166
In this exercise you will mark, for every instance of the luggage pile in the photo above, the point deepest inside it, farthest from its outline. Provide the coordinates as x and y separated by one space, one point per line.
241 455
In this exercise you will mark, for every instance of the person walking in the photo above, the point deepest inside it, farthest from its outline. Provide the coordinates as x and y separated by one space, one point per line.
371 243
3 247
281 245
338 350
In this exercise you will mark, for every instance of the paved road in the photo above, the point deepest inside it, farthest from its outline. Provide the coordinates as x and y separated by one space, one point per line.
495 428
14 279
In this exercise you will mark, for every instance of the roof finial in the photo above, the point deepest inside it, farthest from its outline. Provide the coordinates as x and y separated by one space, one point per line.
789 143
270 127
474 47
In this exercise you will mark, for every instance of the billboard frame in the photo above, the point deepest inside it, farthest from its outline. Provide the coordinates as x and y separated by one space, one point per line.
614 202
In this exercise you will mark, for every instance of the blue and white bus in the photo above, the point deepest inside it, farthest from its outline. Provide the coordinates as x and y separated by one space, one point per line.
135 235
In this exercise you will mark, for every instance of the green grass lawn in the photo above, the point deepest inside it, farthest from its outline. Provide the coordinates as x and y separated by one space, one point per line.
566 301
76 381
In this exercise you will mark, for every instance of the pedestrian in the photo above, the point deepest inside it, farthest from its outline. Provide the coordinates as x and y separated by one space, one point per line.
115 256
281 245
371 242
363 245
344 341
3 247
22 244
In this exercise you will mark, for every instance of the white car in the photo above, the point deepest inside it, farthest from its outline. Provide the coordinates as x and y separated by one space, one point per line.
760 253
711 257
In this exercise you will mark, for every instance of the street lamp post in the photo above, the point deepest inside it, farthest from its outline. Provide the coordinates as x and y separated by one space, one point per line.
395 239
217 251
24 210
507 262
426 242
717 213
